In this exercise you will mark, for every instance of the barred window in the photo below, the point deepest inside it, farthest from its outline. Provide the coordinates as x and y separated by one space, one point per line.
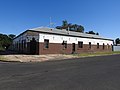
64 44
108 46
98 45
103 46
80 44
90 45
46 43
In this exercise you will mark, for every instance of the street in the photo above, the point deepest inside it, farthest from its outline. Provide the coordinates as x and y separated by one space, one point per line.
92 73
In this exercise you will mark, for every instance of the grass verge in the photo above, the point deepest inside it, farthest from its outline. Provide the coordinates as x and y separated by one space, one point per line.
2 58
97 54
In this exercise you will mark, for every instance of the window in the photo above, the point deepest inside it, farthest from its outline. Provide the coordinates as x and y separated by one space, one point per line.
46 43
80 44
97 45
89 45
103 46
64 44
108 46
111 46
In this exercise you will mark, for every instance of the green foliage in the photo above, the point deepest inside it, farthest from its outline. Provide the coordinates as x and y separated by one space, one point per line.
80 28
97 33
74 27
2 58
71 27
117 41
5 41
12 36
65 23
92 32
97 54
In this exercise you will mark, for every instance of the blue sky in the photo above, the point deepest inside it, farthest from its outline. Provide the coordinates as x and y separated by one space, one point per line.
101 16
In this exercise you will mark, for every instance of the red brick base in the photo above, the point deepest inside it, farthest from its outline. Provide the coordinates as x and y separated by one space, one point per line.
59 49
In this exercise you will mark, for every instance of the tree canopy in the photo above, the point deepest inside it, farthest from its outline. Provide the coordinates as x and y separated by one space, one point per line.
74 27
12 36
6 41
71 27
92 32
117 41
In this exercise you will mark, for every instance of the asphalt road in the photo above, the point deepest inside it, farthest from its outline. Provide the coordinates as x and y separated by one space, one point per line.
95 73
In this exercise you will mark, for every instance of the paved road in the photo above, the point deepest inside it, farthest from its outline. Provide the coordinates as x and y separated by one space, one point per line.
97 73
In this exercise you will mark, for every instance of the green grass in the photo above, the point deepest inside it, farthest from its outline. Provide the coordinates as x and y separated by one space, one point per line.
2 58
96 54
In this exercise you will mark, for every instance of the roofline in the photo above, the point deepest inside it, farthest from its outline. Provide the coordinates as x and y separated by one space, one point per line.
61 34
20 34
71 35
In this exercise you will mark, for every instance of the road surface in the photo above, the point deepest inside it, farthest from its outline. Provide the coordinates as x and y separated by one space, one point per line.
93 73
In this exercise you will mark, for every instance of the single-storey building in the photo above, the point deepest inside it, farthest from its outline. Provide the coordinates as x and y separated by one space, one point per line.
55 41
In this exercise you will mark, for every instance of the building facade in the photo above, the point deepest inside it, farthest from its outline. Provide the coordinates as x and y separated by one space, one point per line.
54 41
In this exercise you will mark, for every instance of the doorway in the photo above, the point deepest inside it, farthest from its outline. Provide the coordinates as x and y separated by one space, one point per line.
33 46
73 48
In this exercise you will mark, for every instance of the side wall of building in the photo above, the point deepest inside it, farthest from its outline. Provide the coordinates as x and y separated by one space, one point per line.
56 46
22 43
43 43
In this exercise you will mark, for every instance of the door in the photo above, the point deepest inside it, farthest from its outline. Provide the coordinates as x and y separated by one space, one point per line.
73 48
33 46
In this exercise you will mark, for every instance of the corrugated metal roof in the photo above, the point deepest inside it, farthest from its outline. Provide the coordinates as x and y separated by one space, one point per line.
65 32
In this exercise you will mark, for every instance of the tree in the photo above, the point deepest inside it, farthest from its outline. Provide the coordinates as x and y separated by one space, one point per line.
75 26
80 28
12 36
72 27
117 41
97 33
5 41
65 23
92 32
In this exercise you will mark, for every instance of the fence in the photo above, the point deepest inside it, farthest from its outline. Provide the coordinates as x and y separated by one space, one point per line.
116 48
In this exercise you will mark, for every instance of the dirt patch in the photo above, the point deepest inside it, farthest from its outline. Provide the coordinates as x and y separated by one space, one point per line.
36 58
49 57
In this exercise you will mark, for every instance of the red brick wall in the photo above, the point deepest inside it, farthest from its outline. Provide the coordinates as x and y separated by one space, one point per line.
59 49
54 49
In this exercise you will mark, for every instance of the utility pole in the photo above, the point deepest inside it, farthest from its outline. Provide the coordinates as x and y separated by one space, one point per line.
51 23
68 30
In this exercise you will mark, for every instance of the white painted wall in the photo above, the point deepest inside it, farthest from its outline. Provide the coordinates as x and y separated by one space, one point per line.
59 39
70 40
26 37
